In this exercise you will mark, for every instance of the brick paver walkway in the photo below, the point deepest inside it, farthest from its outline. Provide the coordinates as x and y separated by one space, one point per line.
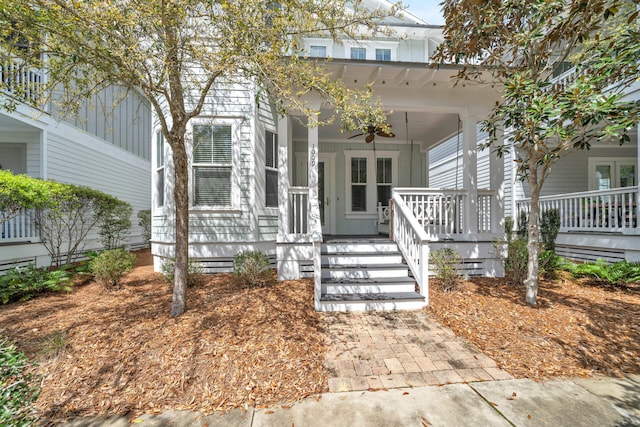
400 349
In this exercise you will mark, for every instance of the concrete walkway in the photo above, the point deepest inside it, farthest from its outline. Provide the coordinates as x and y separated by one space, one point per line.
599 402
377 350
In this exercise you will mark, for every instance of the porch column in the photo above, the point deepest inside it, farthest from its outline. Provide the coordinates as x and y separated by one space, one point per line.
496 183
638 183
284 181
312 171
470 172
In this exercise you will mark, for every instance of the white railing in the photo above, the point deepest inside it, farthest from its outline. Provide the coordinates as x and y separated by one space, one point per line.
438 211
485 199
298 210
19 227
20 81
602 210
412 241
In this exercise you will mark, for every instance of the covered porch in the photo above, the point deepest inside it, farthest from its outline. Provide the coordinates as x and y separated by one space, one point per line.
334 184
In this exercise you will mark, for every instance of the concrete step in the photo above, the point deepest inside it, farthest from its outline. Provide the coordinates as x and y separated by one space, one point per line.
370 302
368 286
341 271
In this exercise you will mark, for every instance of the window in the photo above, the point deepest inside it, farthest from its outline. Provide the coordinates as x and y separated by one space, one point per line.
383 54
611 172
384 180
318 51
369 179
358 53
271 170
159 169
358 184
212 165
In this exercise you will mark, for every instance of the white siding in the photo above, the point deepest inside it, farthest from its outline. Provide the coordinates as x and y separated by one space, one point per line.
96 164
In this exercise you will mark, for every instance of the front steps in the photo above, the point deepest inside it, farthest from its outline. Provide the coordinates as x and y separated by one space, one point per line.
365 275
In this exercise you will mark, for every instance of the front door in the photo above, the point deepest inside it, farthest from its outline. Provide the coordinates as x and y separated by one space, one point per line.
326 192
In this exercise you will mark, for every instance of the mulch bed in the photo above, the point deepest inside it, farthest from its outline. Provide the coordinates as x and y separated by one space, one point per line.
121 353
577 328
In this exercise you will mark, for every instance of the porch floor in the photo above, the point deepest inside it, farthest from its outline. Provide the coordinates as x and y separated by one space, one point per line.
348 238
378 350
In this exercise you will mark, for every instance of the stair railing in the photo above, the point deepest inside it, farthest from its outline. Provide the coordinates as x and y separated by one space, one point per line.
413 242
315 231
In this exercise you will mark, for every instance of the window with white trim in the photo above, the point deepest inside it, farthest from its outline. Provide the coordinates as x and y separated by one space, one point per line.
159 169
383 54
358 184
212 165
358 53
369 179
271 170
318 51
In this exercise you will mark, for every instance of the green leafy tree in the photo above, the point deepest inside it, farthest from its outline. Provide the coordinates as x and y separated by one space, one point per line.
175 51
19 192
520 44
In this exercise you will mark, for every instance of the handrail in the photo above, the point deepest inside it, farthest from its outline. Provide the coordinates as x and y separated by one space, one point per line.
611 210
413 242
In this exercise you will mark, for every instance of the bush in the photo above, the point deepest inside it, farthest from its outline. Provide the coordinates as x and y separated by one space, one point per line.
252 268
109 266
22 283
508 228
617 274
144 221
195 269
515 263
549 263
445 263
18 388
549 228
523 225
115 221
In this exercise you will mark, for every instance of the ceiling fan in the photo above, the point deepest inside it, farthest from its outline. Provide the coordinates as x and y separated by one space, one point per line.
373 130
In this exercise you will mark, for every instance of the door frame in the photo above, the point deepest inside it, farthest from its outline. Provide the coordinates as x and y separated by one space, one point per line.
329 160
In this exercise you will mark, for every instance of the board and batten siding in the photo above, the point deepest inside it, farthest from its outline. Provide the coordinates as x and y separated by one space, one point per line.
83 160
118 116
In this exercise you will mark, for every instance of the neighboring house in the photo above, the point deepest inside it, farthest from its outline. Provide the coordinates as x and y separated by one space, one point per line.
595 191
316 199
106 148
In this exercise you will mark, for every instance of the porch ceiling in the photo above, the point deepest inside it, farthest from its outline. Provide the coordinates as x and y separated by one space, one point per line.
427 95
11 124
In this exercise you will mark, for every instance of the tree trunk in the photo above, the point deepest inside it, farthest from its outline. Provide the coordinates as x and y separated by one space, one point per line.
533 236
181 200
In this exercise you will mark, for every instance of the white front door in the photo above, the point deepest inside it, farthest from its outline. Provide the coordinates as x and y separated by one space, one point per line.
327 192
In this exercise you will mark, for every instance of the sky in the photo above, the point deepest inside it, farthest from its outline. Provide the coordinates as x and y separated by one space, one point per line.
428 10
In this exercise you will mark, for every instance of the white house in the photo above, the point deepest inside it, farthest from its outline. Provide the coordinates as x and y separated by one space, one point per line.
595 191
107 148
316 199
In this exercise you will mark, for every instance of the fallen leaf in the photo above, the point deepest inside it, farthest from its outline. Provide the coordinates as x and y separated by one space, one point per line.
405 393
425 422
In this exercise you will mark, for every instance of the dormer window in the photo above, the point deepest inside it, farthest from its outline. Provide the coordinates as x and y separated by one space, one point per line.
383 54
318 51
358 53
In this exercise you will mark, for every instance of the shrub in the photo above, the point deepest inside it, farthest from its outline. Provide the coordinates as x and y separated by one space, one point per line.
549 228
445 263
508 228
109 266
18 388
195 269
22 283
523 224
515 263
549 263
114 223
617 274
144 221
252 268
